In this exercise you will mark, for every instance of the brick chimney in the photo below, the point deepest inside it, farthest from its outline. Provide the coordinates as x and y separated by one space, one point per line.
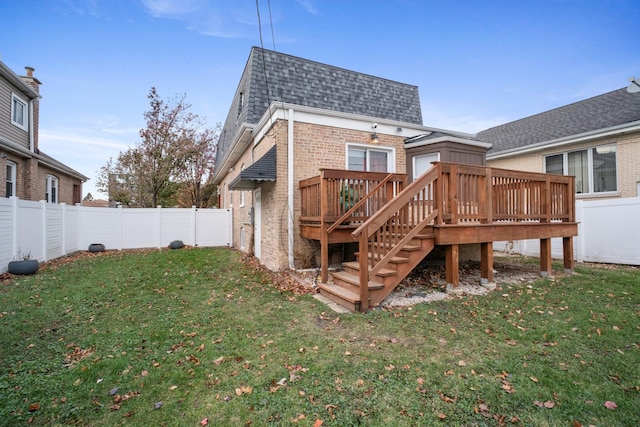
34 83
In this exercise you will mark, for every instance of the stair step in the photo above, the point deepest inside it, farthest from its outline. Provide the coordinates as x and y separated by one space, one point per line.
344 297
355 265
393 260
354 280
408 247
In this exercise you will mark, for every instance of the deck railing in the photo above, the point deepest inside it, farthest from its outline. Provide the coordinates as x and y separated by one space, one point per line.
460 194
389 213
335 193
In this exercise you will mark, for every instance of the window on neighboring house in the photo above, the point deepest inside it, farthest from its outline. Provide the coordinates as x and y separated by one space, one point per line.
595 168
422 163
364 158
10 188
19 112
51 195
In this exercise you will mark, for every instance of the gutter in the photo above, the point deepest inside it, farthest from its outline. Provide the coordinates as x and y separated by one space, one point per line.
474 143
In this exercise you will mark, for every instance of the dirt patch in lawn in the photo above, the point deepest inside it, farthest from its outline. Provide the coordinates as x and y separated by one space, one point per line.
427 282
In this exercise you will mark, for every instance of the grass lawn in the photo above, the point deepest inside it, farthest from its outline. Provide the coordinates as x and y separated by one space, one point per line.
197 336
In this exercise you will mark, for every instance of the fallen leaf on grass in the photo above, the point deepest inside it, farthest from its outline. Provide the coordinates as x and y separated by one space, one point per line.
610 405
442 416
219 360
548 404
204 422
318 423
33 407
534 379
244 390
298 418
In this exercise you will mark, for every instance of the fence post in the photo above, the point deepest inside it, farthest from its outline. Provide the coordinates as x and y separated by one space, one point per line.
43 224
64 228
194 234
14 247
581 238
121 233
158 226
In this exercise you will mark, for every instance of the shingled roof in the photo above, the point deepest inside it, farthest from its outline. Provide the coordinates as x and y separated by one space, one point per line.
600 112
297 81
313 84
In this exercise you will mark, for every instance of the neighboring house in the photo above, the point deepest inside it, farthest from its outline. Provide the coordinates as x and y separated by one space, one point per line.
597 140
292 117
27 172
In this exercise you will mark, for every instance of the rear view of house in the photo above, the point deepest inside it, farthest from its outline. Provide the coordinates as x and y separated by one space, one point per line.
27 172
290 118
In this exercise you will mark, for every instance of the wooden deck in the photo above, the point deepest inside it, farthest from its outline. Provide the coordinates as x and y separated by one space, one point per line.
396 225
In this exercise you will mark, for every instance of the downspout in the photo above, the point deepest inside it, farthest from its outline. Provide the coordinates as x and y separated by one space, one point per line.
290 187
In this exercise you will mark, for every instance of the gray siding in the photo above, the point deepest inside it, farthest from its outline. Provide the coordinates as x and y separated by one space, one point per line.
8 131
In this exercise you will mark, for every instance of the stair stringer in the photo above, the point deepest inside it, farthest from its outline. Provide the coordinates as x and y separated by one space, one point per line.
402 270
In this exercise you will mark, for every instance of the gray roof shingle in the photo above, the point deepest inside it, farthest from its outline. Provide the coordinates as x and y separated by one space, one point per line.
600 112
312 84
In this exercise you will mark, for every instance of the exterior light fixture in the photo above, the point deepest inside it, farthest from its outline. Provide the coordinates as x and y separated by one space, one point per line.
374 135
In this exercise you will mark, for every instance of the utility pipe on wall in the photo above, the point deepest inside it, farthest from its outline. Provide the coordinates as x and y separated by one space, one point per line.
290 234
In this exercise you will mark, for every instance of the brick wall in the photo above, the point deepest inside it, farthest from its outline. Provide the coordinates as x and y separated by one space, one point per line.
315 147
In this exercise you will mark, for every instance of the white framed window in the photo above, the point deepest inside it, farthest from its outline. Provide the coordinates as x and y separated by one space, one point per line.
595 168
19 113
51 195
10 187
422 163
370 159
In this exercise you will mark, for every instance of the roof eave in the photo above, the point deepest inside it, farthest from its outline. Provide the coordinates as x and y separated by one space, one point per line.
240 142
567 140
465 141
7 73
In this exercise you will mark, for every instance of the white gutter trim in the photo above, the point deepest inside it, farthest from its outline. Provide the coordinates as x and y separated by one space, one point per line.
448 139
587 136
277 105
290 192
224 169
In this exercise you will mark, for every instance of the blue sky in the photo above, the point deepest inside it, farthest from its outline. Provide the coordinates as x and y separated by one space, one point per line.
477 63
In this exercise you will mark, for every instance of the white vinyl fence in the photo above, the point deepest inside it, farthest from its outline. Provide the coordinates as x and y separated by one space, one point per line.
49 231
608 232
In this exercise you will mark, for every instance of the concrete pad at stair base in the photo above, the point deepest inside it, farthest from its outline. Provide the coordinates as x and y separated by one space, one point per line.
487 285
332 305
454 291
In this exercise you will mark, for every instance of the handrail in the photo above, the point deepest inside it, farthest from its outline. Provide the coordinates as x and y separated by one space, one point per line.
383 215
382 222
360 202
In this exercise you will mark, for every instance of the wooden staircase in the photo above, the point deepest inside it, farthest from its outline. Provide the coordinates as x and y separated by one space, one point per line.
345 289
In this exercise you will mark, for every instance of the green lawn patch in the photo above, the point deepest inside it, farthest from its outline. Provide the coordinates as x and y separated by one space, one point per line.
202 336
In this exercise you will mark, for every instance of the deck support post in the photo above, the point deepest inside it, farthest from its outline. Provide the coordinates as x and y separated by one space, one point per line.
545 258
486 265
567 254
324 253
452 261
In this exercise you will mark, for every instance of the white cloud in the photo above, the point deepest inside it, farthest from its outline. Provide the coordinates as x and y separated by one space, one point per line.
229 19
308 6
